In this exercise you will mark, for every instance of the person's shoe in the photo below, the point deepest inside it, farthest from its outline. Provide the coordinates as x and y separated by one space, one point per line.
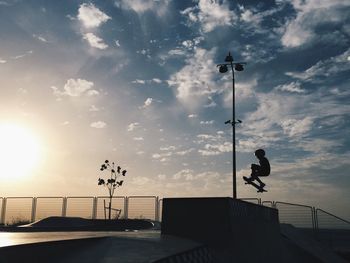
262 185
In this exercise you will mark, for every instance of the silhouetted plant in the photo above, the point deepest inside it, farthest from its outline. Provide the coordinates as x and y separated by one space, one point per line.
111 182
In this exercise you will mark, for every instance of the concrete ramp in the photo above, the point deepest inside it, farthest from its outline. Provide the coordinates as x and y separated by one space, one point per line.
299 242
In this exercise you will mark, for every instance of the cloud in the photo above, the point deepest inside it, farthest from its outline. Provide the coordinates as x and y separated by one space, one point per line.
91 16
293 127
207 122
2 61
195 81
324 69
156 80
98 125
147 102
40 38
294 87
210 14
142 82
191 116
76 88
216 149
309 15
185 152
93 108
186 174
138 81
95 41
159 7
161 155
29 52
138 139
133 126
168 148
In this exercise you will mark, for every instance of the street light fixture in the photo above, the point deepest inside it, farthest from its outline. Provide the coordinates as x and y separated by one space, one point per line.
223 68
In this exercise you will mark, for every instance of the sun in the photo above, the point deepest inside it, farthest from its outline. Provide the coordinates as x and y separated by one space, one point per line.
20 151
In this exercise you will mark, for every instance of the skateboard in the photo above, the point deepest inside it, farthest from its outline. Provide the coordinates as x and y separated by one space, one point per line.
260 189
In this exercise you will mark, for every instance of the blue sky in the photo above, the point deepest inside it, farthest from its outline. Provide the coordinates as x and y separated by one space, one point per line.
136 82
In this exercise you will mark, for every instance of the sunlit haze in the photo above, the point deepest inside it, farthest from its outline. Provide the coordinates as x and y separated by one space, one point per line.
20 152
137 83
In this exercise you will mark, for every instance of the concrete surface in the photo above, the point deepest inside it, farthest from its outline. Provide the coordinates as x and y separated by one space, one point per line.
100 247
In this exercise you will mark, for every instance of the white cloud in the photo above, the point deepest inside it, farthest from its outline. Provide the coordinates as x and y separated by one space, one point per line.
147 102
195 81
2 61
133 126
159 7
139 81
186 174
98 125
41 38
138 139
216 149
318 146
117 43
95 41
324 68
23 55
207 122
168 148
156 80
294 87
162 157
310 14
293 127
91 16
177 52
93 108
211 14
191 116
184 152
76 88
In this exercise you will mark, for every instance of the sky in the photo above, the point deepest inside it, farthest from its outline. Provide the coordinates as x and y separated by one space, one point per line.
136 82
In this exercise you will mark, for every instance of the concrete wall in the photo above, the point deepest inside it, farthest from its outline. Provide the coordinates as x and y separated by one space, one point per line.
234 229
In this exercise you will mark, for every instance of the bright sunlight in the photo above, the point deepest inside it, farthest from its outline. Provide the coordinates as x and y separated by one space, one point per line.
19 151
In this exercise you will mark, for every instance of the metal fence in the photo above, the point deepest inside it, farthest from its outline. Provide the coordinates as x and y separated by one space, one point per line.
303 216
30 209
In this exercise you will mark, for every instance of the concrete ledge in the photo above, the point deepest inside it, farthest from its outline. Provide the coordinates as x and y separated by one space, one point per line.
233 229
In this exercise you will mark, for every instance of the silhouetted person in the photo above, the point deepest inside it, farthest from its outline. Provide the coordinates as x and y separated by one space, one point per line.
263 169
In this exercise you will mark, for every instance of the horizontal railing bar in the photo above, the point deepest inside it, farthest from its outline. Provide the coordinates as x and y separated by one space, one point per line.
341 219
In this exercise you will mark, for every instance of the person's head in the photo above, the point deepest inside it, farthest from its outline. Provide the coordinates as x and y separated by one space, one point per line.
260 153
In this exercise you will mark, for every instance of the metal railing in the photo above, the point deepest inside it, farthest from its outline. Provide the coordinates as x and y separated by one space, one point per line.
30 209
303 216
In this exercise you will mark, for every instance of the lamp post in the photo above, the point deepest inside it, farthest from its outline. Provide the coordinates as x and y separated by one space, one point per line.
223 68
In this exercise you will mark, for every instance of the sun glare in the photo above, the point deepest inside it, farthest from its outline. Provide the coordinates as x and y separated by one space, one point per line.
19 151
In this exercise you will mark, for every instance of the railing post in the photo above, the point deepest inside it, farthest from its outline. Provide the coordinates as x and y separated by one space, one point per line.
94 208
64 207
126 207
34 201
3 210
156 216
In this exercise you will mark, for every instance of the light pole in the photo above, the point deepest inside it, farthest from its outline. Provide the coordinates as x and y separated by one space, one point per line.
223 68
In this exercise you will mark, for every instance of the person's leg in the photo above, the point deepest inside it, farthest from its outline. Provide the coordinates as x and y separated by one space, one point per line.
255 171
260 182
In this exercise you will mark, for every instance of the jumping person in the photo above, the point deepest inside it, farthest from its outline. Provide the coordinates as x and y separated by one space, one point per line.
261 170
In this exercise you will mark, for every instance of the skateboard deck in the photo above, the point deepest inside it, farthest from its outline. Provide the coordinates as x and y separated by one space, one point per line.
260 189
